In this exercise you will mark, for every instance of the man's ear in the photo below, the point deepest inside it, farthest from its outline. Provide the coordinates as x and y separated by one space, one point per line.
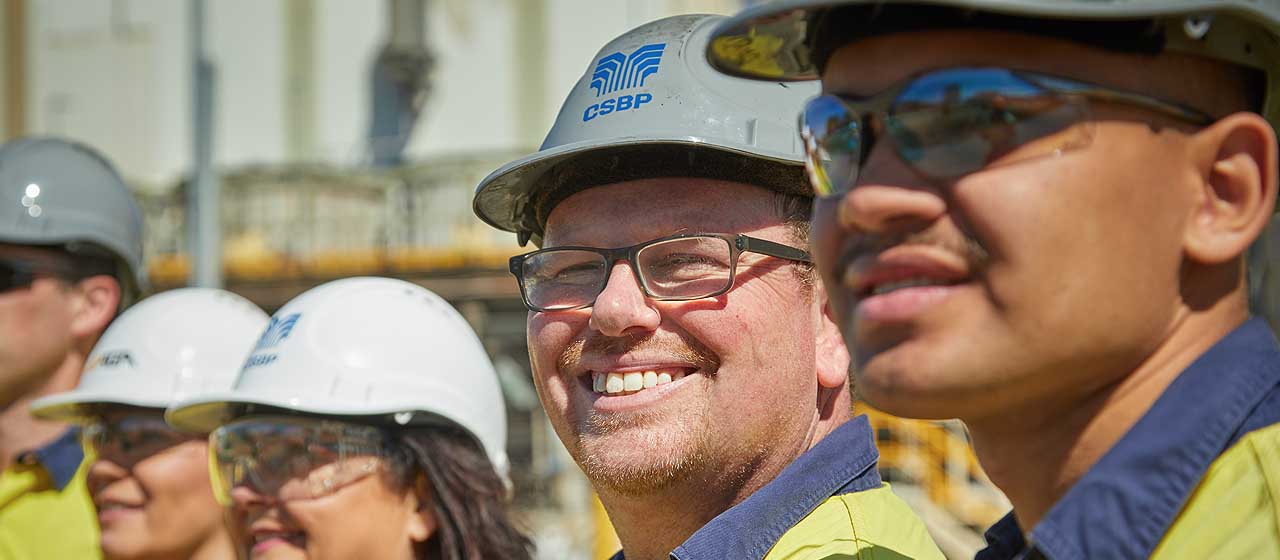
422 517
96 306
832 358
1237 190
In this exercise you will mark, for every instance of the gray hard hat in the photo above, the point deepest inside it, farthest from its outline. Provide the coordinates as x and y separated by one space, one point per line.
778 40
54 192
650 106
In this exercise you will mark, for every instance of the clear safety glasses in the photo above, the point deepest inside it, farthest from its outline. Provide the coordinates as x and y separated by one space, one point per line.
135 436
949 123
674 268
292 458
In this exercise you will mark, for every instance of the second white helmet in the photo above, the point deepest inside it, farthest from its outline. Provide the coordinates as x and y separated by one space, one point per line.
366 347
171 346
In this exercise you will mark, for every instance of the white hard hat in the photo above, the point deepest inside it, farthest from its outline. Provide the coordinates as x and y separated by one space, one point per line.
168 347
650 105
365 347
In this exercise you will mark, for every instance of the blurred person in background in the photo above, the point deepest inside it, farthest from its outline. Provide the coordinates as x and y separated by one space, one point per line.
1034 216
367 423
70 260
149 482
679 343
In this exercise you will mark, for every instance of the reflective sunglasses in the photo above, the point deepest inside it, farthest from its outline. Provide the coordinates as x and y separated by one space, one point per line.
680 267
136 436
949 123
294 458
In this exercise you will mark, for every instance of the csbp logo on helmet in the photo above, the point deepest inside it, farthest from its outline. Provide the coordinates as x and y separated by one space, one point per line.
618 72
277 330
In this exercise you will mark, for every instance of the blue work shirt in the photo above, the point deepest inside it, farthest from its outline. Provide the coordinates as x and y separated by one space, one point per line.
840 467
1125 504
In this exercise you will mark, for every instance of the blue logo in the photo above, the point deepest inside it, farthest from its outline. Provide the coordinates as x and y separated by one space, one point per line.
618 72
277 330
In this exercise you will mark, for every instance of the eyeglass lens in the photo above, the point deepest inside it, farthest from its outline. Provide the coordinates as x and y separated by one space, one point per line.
131 436
292 461
944 125
680 268
14 275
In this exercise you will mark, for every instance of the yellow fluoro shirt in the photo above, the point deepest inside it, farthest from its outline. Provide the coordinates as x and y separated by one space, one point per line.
1196 477
45 510
828 504
1235 511
867 525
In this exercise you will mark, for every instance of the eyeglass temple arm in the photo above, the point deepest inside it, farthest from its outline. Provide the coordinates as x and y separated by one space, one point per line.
1107 94
764 247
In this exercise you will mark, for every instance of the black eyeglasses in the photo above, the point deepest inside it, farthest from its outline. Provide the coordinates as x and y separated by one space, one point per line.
949 123
679 267
19 273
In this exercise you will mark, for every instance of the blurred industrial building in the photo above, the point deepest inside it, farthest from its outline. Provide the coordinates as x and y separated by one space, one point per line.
346 138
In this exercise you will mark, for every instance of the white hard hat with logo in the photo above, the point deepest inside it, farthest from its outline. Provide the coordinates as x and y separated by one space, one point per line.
651 106
372 348
171 346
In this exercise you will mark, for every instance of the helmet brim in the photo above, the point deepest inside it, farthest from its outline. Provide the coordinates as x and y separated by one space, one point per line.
504 198
774 33
75 406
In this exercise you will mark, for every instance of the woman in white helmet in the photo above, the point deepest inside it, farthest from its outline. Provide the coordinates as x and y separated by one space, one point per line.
367 423
150 483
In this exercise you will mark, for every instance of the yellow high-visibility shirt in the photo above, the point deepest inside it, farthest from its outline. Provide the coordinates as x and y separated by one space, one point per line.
1196 477
45 510
1235 511
828 504
867 525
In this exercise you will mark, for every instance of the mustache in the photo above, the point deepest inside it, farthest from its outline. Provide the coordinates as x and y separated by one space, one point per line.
971 250
684 349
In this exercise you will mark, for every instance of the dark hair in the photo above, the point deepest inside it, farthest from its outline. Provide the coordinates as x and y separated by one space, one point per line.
795 211
469 499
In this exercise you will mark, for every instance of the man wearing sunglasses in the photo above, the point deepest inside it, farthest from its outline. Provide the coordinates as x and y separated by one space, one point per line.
70 255
1034 216
679 344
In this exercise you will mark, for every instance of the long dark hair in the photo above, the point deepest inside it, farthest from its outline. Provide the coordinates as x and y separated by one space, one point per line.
469 499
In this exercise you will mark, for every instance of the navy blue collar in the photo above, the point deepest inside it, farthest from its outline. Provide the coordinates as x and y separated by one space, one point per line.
61 458
843 462
1124 505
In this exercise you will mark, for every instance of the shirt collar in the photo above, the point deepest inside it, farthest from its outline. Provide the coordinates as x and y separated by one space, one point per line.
841 463
61 458
1122 507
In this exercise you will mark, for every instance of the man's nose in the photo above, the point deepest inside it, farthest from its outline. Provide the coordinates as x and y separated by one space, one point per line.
880 208
889 196
622 308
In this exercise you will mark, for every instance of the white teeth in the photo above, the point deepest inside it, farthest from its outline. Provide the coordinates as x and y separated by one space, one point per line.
630 382
614 383
907 283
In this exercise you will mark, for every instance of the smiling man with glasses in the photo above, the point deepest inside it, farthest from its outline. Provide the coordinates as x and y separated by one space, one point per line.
679 343
1034 216
70 259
